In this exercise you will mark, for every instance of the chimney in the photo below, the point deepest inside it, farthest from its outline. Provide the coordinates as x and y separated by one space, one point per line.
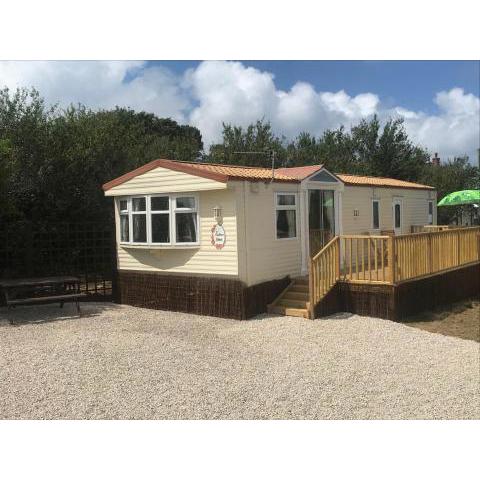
436 159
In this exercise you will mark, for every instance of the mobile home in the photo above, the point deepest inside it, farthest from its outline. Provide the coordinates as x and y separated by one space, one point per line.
227 240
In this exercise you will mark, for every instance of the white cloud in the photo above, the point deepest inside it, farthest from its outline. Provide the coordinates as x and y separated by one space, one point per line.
454 131
220 91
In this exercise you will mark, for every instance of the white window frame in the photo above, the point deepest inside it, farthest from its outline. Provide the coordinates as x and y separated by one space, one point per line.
285 207
430 220
377 201
176 209
123 213
172 210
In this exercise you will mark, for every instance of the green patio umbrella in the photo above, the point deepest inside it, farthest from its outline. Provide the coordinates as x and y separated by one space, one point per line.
463 197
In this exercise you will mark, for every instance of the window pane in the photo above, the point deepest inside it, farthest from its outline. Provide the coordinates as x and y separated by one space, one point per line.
185 202
397 215
139 228
286 200
328 216
159 203
186 226
124 229
160 228
286 225
123 205
375 215
138 204
430 208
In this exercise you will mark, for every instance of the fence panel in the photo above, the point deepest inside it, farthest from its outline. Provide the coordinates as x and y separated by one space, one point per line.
86 250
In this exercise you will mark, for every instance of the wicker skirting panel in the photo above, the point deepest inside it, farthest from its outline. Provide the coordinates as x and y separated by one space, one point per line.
218 297
369 300
399 301
426 294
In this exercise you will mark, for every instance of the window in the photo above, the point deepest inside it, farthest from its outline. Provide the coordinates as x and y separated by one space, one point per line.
375 214
159 219
139 219
397 215
430 212
286 215
124 222
186 220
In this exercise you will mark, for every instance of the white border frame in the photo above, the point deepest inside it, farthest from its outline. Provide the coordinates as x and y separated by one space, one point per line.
376 200
172 197
285 207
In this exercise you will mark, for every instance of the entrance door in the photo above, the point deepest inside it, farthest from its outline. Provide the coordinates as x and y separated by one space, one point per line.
397 215
321 219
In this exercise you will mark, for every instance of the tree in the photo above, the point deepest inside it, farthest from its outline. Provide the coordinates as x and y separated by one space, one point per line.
452 176
53 162
257 137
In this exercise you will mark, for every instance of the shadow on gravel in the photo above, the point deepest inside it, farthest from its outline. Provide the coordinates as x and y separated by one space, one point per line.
47 313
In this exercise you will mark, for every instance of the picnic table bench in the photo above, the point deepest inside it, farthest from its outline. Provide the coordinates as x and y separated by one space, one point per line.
28 291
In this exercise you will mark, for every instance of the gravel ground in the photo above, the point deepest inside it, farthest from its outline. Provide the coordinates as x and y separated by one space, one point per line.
120 362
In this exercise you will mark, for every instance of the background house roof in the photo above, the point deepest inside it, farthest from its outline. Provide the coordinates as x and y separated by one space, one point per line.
361 180
224 173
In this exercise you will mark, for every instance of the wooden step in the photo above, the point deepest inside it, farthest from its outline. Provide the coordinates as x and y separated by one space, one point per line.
293 295
292 303
291 312
299 288
301 281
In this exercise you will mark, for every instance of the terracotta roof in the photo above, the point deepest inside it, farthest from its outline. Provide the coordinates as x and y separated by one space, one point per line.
213 171
224 173
360 180
299 173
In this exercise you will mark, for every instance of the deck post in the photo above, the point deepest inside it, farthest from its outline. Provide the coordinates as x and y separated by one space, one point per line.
311 306
429 253
391 258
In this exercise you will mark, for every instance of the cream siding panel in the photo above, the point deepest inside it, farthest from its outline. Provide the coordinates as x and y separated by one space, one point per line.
415 208
163 180
205 259
264 257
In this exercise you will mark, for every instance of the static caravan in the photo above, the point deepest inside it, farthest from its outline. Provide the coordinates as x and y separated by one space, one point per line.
227 240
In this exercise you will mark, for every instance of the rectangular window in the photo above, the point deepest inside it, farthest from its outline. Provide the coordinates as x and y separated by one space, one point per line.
430 212
397 215
375 214
160 219
139 219
286 215
186 220
124 222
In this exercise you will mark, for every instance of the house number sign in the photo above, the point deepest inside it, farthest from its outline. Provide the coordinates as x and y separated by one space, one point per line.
218 236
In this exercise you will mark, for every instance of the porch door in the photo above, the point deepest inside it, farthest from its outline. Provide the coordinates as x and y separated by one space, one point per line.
397 215
321 219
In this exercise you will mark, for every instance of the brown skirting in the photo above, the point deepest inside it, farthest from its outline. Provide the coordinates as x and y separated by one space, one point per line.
219 297
396 302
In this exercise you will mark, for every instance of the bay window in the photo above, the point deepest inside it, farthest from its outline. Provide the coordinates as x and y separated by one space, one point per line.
169 220
286 215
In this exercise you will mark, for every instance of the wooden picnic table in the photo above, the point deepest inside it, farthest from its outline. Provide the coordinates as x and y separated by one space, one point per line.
28 291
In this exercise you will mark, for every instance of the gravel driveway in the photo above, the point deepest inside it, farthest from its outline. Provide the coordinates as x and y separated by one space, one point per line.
120 362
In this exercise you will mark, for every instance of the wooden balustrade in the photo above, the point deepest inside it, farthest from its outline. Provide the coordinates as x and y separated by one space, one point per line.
390 259
364 258
422 254
324 271
318 238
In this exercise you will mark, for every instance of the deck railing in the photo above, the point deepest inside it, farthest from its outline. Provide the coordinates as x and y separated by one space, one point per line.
391 259
430 228
324 271
365 258
422 254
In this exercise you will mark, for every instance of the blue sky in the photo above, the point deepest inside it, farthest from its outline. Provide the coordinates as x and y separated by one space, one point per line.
439 100
411 84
